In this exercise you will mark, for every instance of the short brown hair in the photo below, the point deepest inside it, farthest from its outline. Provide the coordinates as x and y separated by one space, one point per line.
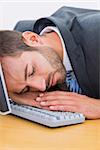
11 43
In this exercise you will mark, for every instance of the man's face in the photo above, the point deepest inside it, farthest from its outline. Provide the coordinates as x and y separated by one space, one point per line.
32 71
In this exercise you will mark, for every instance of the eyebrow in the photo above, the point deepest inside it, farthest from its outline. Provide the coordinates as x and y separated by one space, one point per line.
25 72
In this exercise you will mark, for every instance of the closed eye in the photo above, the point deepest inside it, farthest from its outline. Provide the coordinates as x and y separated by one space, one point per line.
25 90
32 73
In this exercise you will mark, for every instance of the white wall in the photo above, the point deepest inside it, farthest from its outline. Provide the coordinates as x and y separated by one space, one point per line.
13 11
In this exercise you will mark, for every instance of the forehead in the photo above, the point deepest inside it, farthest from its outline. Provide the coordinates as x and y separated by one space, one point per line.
12 65
13 69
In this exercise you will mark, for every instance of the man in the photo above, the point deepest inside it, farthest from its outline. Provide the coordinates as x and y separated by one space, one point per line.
64 48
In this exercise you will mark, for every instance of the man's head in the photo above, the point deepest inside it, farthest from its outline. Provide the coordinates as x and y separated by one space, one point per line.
29 63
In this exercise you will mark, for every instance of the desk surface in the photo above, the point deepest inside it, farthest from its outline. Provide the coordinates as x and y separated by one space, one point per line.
20 134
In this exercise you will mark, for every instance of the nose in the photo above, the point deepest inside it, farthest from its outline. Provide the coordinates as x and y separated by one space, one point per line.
37 84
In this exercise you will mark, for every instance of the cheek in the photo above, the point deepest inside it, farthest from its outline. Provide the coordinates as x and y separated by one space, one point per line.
9 84
43 67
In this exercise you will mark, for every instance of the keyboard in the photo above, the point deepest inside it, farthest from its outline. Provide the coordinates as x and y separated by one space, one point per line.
46 117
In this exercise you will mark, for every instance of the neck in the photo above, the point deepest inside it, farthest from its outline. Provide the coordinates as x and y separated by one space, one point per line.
52 40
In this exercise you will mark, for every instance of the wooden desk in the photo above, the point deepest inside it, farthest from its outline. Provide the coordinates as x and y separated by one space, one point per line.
19 134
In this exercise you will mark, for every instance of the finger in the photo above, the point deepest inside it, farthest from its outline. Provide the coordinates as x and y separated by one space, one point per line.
64 108
60 93
54 93
57 97
56 102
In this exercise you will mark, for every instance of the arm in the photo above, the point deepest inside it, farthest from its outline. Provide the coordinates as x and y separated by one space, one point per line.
73 102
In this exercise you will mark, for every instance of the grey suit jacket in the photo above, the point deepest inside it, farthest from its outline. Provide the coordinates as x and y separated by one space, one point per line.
80 29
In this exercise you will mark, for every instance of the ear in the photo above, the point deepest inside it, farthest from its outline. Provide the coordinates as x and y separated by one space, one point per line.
31 38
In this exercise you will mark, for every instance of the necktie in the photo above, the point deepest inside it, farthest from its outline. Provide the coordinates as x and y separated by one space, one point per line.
72 83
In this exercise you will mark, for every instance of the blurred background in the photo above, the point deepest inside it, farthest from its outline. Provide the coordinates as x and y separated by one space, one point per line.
11 11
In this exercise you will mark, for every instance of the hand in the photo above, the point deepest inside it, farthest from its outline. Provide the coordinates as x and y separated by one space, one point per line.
26 99
69 101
